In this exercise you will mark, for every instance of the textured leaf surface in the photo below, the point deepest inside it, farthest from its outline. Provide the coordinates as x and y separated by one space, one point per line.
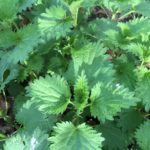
20 44
31 117
134 28
74 8
52 94
54 23
87 57
67 136
100 69
130 120
81 91
8 9
88 52
142 90
144 8
15 143
115 139
18 102
143 136
9 74
100 27
125 73
24 4
36 140
107 101
136 49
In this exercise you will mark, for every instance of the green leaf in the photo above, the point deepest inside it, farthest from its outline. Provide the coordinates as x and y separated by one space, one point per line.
87 52
143 8
115 139
52 94
130 120
135 29
90 4
100 27
31 117
81 91
74 8
24 4
92 60
35 63
125 72
9 74
141 50
20 43
24 140
14 89
8 9
142 90
143 137
108 100
137 49
14 143
67 136
54 23
99 71
19 101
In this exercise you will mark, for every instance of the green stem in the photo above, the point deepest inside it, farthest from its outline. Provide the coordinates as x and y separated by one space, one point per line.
16 26
34 75
90 35
113 16
6 104
75 120
107 14
142 63
125 15
147 115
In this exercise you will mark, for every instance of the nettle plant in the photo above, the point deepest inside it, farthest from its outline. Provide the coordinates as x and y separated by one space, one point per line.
74 74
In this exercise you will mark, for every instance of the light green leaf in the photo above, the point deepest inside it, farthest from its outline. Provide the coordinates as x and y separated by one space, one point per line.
89 57
74 8
69 137
54 23
24 4
142 90
143 8
24 140
8 9
108 100
52 94
99 71
125 72
92 60
31 117
100 27
87 53
81 91
19 44
136 28
143 137
14 143
137 49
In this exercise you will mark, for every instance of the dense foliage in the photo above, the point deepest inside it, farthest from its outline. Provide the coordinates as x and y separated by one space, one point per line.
74 75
